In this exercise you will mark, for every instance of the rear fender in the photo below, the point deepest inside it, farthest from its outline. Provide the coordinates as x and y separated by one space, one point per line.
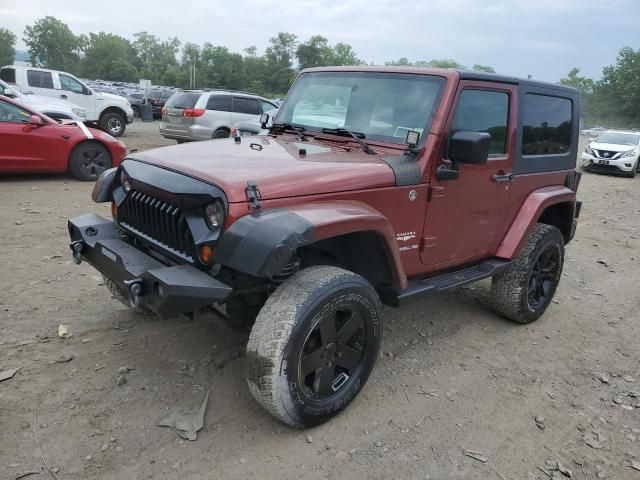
263 243
529 214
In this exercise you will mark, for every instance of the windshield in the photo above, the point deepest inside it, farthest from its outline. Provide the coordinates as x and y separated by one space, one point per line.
382 106
619 139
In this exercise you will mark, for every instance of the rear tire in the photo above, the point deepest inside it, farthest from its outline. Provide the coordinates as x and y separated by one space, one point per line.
221 133
313 345
88 160
113 123
523 292
120 294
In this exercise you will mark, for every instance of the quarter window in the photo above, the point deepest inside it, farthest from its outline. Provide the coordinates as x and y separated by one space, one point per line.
70 84
221 103
484 111
546 125
246 105
39 79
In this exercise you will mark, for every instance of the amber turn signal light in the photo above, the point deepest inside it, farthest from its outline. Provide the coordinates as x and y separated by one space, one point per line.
114 210
206 254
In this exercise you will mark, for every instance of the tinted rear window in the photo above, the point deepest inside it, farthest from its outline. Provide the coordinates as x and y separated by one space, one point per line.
221 103
39 79
246 105
8 75
182 100
546 124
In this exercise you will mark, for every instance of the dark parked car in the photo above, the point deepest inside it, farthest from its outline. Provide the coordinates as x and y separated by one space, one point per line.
157 99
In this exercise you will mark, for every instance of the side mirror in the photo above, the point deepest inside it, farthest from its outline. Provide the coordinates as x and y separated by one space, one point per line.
35 121
86 91
465 147
469 147
264 119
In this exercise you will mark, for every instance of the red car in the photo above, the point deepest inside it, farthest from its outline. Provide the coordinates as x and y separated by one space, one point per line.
33 142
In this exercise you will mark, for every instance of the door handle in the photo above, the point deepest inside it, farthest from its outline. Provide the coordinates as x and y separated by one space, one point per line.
63 96
502 177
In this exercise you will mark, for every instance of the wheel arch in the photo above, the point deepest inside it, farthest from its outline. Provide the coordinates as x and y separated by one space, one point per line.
351 235
113 109
555 206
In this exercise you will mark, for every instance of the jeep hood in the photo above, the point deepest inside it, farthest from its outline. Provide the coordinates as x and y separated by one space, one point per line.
279 167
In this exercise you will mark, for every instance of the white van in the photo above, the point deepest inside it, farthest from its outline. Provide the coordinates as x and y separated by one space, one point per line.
111 112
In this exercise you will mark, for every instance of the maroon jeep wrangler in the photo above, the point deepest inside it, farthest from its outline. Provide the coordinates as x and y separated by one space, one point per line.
373 186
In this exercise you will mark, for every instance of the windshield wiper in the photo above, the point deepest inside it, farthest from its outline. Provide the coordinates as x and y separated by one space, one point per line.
288 126
357 136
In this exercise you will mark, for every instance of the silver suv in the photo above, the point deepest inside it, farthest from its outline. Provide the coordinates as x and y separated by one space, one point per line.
203 115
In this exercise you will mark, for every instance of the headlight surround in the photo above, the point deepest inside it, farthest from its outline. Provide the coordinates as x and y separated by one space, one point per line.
79 112
125 182
214 215
630 153
588 150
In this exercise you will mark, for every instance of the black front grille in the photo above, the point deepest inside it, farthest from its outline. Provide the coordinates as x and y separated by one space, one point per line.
158 221
605 154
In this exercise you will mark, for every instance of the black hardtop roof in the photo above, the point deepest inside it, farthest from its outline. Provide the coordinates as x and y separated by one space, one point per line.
494 77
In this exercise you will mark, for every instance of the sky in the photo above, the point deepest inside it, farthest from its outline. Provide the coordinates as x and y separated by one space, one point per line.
542 38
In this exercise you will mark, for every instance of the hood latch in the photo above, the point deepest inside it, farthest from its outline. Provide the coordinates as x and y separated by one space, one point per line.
253 194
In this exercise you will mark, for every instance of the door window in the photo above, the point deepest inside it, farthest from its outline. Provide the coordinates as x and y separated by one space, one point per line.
71 84
11 114
249 106
221 103
38 79
484 111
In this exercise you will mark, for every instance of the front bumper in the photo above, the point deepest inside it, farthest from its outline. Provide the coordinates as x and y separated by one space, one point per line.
166 290
619 165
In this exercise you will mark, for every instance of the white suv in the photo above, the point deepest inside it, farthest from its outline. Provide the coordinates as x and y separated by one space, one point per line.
613 151
205 115
51 107
111 112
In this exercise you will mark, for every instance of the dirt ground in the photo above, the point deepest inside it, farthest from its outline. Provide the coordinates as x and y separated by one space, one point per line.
452 376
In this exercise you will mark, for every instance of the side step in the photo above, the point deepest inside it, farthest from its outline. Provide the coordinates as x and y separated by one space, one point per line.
419 288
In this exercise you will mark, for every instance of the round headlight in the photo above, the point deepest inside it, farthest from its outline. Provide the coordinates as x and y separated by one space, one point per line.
125 182
214 214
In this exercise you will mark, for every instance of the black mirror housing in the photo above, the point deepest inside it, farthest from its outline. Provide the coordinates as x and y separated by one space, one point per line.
264 119
469 147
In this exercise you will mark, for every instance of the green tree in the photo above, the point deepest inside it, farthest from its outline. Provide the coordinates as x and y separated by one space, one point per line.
155 57
279 63
7 47
446 63
315 52
109 57
52 44
343 54
483 68
620 87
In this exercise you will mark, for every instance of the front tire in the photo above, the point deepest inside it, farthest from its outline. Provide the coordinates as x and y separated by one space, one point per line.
523 292
88 160
313 345
113 123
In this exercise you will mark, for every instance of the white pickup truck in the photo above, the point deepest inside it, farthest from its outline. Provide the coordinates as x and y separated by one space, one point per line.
110 112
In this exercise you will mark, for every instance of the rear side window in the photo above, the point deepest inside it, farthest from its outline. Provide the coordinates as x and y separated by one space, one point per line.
166 95
222 103
70 84
39 79
546 125
182 100
246 105
484 111
8 75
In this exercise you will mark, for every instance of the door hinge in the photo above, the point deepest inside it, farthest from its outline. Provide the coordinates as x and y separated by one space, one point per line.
253 194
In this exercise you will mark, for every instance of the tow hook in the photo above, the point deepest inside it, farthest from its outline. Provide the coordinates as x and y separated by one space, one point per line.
134 287
76 249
